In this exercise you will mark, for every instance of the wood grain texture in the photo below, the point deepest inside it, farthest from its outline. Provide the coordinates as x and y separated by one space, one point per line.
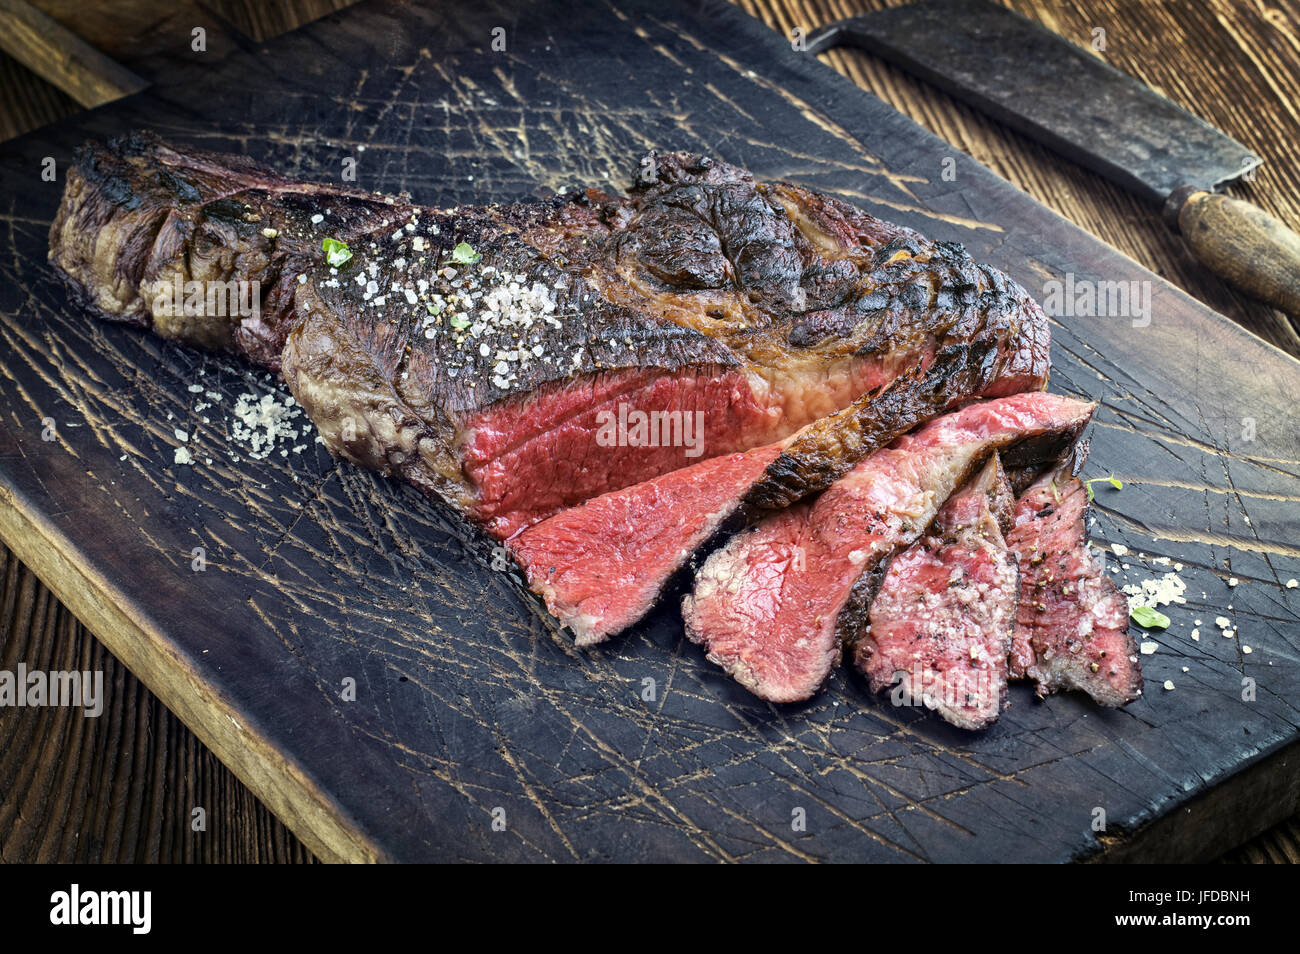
120 787
264 21
1281 851
62 58
149 36
29 101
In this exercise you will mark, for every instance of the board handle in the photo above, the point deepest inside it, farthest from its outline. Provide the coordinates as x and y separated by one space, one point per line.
1240 243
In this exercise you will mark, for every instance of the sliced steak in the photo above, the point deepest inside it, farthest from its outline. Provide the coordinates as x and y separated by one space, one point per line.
772 606
584 343
601 565
1072 627
940 624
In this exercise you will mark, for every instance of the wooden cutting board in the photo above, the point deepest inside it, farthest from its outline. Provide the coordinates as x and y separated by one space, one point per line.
477 732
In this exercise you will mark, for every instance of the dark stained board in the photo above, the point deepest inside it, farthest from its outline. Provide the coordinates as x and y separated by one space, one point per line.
467 702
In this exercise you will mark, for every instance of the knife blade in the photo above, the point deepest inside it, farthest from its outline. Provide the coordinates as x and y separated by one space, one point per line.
1031 79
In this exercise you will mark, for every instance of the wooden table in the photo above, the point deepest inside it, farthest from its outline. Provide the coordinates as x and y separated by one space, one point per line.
123 787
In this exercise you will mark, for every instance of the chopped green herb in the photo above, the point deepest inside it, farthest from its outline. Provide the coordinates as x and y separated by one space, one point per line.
336 253
1112 480
1055 491
459 322
432 309
464 254
1149 618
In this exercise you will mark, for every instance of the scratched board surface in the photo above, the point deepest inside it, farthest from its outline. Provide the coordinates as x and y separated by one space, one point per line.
466 702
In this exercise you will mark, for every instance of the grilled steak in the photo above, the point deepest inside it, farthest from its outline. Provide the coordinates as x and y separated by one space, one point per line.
516 360
940 624
1072 624
601 565
772 606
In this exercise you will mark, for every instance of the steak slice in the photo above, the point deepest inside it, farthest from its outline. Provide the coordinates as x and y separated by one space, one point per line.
773 605
577 346
940 624
1072 626
600 566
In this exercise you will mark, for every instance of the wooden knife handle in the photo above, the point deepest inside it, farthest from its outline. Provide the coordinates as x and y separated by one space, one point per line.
1242 244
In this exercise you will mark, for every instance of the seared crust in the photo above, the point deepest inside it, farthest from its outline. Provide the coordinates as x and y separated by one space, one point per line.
776 306
827 449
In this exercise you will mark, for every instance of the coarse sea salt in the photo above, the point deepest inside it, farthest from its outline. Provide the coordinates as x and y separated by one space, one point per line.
259 422
1155 593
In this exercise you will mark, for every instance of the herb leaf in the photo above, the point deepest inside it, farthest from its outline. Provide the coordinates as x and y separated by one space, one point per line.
336 253
1110 479
464 254
1149 618
459 322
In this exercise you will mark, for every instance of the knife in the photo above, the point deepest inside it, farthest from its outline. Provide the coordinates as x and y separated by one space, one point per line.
1031 79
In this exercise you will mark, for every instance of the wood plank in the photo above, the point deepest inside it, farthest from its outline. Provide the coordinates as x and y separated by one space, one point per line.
120 787
60 56
328 571
321 823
